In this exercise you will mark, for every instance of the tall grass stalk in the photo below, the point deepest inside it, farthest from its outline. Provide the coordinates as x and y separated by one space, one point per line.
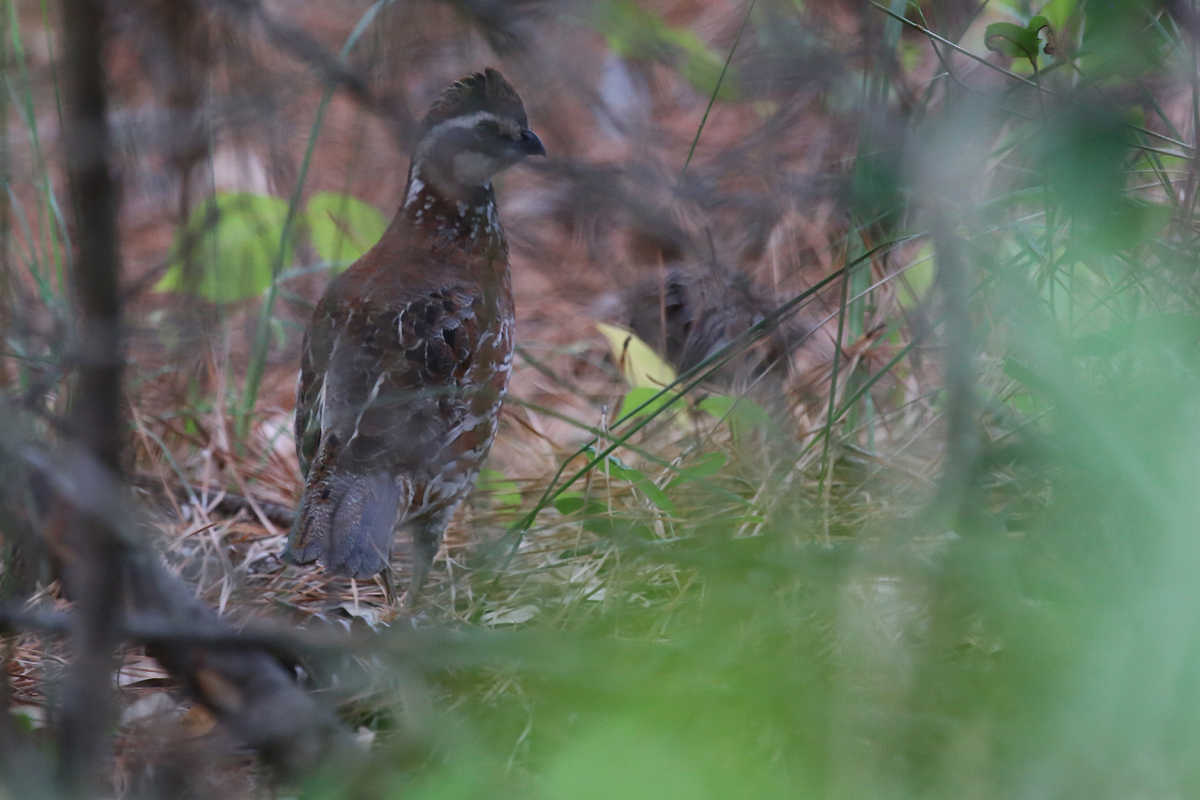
262 336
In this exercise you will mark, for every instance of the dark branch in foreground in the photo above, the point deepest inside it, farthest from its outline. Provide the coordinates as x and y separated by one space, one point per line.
92 576
245 685
109 571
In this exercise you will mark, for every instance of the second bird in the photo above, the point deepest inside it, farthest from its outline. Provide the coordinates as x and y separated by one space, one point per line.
407 358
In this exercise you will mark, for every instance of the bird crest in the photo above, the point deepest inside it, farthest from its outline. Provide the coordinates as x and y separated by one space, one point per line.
482 91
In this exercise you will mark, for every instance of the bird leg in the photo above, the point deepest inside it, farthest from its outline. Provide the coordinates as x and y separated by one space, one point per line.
426 539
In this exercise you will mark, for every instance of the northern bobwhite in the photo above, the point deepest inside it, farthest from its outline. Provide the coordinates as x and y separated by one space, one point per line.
690 311
408 354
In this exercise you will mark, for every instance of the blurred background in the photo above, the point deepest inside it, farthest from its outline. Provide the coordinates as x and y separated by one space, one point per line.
853 438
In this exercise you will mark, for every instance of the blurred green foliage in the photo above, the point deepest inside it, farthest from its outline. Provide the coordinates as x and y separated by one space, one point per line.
227 247
504 492
342 227
634 31
230 244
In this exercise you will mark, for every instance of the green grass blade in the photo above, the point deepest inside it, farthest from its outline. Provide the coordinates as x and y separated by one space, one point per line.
262 336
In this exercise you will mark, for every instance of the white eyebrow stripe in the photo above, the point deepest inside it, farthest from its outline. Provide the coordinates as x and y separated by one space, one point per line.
468 121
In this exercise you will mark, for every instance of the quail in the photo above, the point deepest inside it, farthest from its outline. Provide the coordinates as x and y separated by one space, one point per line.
690 311
408 354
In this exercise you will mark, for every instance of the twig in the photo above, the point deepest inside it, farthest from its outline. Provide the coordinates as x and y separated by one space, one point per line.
229 504
233 504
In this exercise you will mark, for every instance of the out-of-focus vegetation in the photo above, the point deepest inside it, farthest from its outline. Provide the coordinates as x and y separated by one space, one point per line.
949 548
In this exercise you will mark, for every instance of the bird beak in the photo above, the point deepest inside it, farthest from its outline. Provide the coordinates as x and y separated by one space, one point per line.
530 144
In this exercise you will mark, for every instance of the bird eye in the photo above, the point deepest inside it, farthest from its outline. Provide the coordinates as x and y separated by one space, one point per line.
489 126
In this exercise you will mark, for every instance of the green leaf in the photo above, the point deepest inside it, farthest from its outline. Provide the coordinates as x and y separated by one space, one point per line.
597 519
656 495
644 394
617 528
1014 41
1026 404
617 468
740 411
1010 40
911 55
342 227
641 366
504 492
917 279
570 503
705 466
231 242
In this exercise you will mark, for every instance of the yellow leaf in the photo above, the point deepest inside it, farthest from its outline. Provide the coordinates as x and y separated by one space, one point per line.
640 365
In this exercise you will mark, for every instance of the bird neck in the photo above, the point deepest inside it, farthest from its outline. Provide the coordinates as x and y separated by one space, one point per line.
466 220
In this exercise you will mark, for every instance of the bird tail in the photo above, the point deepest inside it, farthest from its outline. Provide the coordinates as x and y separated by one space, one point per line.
347 522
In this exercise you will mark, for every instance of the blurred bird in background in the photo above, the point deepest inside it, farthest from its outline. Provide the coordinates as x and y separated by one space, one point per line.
691 311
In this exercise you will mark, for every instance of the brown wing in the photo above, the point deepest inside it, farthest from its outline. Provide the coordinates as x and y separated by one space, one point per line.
399 381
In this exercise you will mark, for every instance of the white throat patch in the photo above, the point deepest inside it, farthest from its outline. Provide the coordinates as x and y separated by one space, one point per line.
473 168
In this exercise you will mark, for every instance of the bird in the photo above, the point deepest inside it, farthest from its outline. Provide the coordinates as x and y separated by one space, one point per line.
690 311
408 354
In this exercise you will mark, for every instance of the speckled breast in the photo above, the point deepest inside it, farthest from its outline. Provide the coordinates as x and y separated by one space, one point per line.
476 415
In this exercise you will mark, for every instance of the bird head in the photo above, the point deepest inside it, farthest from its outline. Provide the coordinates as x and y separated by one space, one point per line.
475 130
